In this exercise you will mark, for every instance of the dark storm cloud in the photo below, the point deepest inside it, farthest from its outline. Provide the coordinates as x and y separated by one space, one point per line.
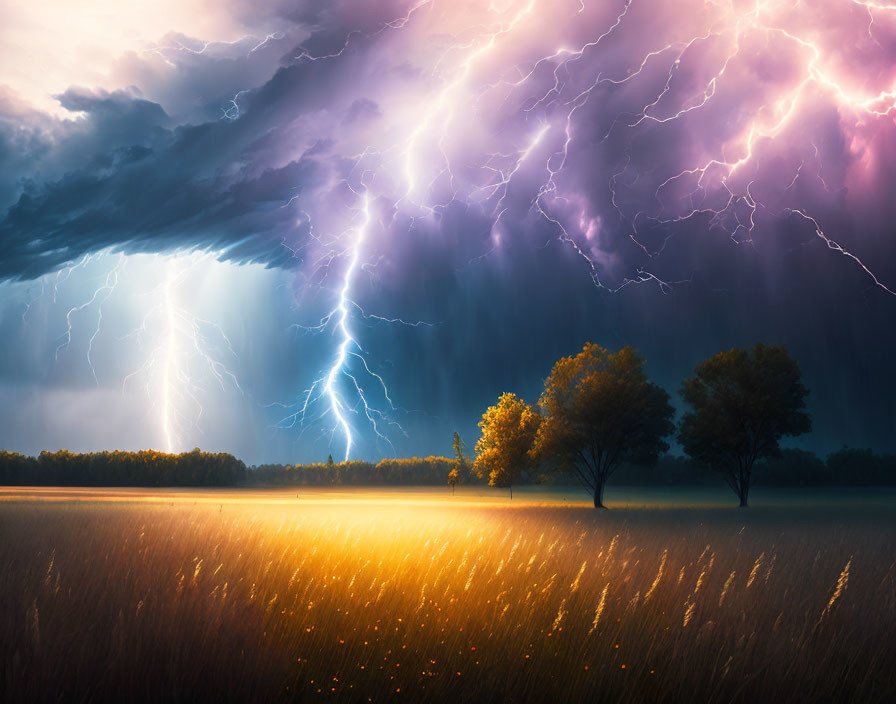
140 184
167 191
105 176
123 175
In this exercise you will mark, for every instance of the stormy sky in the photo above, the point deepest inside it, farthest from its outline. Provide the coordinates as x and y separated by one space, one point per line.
266 227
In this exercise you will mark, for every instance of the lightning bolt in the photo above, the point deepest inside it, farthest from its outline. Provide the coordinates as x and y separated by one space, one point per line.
769 122
100 295
169 358
330 386
188 352
183 348
337 403
434 121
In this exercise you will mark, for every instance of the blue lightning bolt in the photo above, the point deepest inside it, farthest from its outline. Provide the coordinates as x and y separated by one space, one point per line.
337 403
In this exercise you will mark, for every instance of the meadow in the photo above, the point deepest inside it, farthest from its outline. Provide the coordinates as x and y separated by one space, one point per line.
420 596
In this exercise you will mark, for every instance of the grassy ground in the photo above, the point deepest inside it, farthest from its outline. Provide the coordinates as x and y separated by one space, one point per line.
414 595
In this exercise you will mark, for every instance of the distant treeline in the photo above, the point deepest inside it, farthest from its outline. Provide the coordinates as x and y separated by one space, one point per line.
426 471
846 467
144 468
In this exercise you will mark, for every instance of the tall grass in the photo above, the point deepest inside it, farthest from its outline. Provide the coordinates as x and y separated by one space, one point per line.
355 603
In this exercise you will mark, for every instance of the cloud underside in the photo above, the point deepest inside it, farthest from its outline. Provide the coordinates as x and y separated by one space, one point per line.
646 124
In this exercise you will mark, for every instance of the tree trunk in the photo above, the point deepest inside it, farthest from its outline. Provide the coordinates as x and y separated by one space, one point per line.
511 493
599 496
743 500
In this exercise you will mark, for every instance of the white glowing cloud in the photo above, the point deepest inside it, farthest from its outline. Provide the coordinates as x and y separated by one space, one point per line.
51 45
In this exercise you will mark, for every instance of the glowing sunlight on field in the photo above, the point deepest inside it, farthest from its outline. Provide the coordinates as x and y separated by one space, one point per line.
386 594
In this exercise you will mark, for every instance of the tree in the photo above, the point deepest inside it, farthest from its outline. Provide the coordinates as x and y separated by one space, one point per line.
461 462
508 431
460 450
452 479
600 411
742 403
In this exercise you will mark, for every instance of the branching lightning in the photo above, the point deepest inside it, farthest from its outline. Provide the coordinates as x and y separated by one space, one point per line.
330 386
436 117
189 352
182 352
721 187
337 404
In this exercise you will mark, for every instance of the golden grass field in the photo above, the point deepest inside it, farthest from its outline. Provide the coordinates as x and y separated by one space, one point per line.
419 596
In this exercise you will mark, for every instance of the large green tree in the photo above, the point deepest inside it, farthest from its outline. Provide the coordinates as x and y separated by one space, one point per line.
508 431
742 402
600 411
